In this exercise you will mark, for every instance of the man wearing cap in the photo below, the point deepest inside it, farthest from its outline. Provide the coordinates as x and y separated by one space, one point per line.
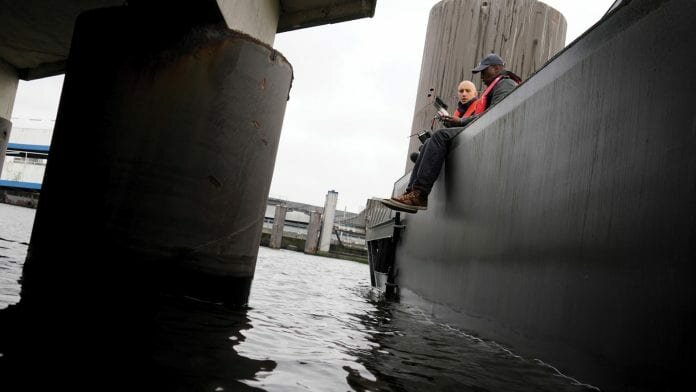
499 83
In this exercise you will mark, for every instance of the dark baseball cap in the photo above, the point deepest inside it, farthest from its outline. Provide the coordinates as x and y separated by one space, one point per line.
491 59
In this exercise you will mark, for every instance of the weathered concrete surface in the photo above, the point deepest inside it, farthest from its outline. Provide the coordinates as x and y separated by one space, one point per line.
35 35
313 228
257 18
299 14
5 128
564 222
327 221
8 89
278 224
181 128
525 33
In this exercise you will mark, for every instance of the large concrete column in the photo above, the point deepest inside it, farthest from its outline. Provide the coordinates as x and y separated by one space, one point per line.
525 33
313 228
5 128
328 221
169 135
258 18
8 91
278 224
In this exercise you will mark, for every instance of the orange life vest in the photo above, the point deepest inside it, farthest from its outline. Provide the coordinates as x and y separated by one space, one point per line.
469 110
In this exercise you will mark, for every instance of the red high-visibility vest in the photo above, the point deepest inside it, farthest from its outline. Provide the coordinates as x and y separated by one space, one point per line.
481 107
470 110
472 107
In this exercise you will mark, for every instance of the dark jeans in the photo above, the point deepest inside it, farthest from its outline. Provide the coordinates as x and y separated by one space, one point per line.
429 162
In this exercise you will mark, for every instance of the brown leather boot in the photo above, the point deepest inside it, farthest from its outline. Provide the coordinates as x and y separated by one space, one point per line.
413 199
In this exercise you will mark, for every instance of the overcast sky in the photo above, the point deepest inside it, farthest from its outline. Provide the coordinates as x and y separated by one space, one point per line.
352 100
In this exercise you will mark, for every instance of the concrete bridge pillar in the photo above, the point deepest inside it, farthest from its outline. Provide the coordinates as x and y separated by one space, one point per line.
8 91
278 223
328 221
258 18
161 162
313 232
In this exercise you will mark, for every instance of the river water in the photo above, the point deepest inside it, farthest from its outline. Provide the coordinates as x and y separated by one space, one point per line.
313 324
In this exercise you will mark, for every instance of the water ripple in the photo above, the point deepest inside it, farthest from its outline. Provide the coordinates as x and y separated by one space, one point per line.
313 324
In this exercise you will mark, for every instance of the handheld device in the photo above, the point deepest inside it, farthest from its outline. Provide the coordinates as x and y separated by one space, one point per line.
441 107
423 135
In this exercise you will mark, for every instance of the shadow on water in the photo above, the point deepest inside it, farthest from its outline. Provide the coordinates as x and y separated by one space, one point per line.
410 352
194 348
182 344
304 331
313 324
110 323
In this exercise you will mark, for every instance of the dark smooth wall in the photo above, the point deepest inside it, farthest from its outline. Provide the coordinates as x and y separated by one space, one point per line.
564 221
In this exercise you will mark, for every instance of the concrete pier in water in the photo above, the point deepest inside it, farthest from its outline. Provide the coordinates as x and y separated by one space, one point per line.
278 224
312 242
327 221
8 90
171 115
179 117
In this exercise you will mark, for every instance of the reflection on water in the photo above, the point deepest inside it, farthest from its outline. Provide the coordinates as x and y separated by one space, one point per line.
312 324
195 348
15 229
413 353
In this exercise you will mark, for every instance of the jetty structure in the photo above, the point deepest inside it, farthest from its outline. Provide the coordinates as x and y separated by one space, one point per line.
562 224
300 227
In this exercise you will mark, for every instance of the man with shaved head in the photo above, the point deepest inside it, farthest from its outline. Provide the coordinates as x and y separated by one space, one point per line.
466 93
499 83
435 148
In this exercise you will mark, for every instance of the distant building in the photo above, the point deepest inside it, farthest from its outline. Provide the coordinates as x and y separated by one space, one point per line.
25 161
19 165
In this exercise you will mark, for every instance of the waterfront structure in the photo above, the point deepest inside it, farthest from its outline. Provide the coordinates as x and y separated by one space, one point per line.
22 169
183 102
313 229
278 224
562 224
302 225
28 147
327 221
184 117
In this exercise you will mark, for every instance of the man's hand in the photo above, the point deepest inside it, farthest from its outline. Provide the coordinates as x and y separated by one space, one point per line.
450 121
